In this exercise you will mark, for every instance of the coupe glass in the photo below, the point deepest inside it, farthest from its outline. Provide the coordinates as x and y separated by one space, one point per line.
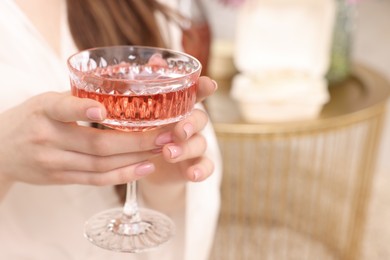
142 88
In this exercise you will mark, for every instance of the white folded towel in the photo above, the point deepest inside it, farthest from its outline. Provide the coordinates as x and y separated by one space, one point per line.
279 96
282 50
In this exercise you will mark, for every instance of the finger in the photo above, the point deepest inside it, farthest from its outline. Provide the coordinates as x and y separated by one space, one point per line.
157 60
118 176
194 147
105 142
66 108
206 88
200 170
194 123
71 161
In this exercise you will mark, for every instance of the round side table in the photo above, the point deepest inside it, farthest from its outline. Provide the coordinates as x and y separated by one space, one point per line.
299 189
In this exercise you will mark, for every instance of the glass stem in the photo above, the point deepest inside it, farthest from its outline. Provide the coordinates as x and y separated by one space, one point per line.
130 208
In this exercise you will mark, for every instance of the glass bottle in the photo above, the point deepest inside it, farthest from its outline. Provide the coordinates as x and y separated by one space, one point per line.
340 62
196 39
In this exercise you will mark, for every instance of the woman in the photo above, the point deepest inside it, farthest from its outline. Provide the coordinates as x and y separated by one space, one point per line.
43 148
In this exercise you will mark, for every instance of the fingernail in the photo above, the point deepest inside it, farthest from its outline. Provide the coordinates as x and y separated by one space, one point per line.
144 169
188 130
164 138
215 84
175 151
197 174
94 113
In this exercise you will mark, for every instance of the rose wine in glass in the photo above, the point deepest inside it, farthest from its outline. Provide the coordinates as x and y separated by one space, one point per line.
142 88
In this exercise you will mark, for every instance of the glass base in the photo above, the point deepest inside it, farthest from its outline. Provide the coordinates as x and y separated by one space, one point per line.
112 230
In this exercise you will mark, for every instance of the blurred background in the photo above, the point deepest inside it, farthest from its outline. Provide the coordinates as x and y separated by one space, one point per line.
370 47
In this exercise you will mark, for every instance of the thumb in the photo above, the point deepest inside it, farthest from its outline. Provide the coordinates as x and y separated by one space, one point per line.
66 108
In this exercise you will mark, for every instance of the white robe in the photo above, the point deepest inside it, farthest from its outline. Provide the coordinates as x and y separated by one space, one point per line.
46 222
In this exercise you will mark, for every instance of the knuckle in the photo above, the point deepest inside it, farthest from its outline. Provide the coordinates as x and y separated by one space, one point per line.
203 143
57 177
98 164
100 145
203 117
206 166
43 160
211 168
200 114
97 180
143 142
40 134
122 176
199 145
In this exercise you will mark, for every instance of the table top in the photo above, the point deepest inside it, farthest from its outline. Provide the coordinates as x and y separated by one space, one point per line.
359 97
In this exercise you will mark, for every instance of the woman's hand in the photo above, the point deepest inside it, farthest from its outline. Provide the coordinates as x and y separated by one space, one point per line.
185 154
42 144
183 159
